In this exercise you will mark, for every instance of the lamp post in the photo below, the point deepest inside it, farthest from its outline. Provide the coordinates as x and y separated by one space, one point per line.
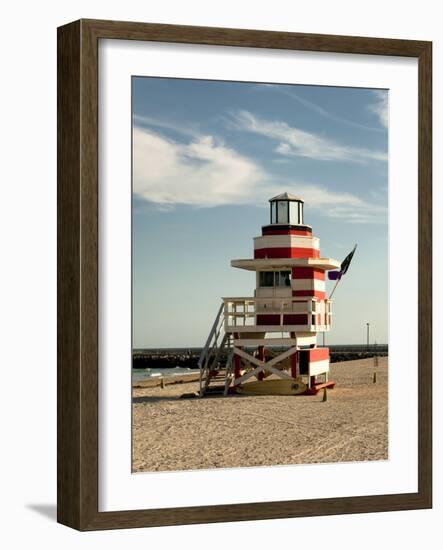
367 335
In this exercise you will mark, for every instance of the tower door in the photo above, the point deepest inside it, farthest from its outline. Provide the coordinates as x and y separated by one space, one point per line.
303 358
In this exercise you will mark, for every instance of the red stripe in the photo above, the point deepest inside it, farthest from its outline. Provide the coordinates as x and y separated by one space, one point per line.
268 319
313 293
308 273
288 319
300 319
266 232
318 354
262 253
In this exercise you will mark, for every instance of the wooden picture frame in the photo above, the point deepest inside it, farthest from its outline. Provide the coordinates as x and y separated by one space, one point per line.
78 274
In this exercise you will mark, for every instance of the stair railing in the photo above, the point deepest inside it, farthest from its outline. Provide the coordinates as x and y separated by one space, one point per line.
210 349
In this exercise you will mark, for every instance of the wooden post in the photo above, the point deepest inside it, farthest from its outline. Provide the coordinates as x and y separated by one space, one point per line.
325 394
374 378
237 366
294 359
237 361
261 356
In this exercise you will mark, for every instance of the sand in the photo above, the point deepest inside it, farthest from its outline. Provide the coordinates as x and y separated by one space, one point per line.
170 433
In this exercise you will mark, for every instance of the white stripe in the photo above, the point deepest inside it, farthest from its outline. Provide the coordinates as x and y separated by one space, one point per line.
318 367
308 284
306 340
286 241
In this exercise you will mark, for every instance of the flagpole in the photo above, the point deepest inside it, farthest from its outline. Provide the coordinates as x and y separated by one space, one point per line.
335 286
344 267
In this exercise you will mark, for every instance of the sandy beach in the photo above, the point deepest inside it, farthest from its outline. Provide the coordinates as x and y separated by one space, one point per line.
172 433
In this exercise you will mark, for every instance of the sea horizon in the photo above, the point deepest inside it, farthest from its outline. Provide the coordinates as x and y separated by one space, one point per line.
337 347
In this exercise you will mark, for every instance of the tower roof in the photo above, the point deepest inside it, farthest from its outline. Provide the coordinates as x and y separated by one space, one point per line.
286 197
257 264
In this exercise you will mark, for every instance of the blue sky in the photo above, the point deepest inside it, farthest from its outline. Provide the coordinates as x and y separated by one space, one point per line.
207 156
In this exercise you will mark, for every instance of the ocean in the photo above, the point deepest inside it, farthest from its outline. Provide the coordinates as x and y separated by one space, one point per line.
144 374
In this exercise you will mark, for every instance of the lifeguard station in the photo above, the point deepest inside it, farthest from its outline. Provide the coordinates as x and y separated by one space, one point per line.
274 332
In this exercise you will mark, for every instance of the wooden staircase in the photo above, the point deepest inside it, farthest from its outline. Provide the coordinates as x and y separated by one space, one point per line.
215 361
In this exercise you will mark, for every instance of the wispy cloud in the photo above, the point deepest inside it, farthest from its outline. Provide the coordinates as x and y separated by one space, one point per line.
205 172
292 141
363 213
345 207
285 90
140 120
380 107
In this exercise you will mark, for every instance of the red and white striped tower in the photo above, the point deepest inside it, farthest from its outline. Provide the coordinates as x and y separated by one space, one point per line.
289 307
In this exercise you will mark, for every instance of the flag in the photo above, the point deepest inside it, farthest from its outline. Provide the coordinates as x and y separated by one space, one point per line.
336 275
347 261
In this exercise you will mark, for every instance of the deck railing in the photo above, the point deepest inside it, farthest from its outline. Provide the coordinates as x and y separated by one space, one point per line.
253 312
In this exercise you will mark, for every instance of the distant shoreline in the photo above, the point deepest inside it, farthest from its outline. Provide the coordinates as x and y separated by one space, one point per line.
187 358
334 347
166 380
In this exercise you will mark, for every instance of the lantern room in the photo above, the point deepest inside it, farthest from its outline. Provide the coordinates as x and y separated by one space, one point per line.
286 209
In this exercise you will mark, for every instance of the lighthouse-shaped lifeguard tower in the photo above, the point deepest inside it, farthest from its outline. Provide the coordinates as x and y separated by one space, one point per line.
273 334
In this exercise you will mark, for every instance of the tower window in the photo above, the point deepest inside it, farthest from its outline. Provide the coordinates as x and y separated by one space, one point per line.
296 213
282 212
273 212
266 278
275 278
282 278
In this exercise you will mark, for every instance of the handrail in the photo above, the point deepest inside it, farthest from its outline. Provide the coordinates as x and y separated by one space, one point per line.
211 334
208 350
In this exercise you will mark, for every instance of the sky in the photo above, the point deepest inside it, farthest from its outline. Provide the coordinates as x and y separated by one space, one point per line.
207 156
